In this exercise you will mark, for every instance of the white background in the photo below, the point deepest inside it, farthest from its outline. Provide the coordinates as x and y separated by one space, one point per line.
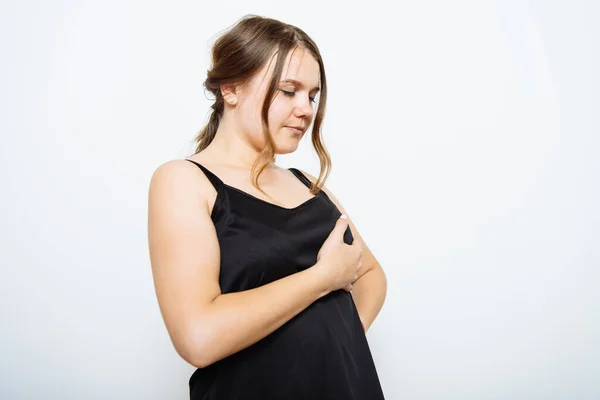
465 141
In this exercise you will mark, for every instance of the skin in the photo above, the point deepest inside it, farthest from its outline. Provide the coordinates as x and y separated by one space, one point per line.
239 137
197 315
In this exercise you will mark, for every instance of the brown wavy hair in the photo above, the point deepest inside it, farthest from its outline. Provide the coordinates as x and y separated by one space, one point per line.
237 55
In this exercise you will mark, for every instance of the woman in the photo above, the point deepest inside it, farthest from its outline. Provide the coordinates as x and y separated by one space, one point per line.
262 285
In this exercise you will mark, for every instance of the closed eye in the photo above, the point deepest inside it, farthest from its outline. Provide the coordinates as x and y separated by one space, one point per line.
291 94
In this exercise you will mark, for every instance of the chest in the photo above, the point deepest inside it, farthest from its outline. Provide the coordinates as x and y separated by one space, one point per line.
260 243
281 188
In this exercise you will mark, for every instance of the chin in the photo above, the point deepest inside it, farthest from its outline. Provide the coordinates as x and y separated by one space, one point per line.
286 149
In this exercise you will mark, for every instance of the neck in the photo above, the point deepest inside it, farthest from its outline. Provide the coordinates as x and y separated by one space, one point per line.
232 149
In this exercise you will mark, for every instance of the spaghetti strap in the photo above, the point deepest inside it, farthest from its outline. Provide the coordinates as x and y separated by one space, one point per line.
301 176
216 182
321 353
305 180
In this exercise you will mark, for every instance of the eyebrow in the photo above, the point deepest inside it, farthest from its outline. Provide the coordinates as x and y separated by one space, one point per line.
297 83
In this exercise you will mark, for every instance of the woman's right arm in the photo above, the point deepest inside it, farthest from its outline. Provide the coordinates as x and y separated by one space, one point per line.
204 324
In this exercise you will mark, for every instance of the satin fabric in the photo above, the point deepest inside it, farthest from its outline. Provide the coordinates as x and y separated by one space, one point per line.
322 352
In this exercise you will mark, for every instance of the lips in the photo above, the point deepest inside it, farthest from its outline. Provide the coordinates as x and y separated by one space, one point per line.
298 129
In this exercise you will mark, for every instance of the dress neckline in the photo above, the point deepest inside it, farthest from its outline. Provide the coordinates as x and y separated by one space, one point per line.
268 202
251 196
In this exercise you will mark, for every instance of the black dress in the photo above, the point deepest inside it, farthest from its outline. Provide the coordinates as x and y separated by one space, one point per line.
321 353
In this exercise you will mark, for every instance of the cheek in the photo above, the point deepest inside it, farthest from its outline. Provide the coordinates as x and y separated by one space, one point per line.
249 116
278 115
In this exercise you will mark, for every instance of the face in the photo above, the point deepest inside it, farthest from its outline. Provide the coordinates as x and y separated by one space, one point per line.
293 104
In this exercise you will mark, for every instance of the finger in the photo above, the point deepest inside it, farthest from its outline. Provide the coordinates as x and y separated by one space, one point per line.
340 227
342 223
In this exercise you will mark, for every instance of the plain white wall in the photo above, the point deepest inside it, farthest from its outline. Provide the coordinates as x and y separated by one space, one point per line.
464 138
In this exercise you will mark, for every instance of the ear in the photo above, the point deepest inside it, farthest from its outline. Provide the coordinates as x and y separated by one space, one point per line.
230 94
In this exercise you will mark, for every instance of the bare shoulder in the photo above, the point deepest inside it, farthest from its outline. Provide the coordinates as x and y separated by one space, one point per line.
369 260
178 173
185 178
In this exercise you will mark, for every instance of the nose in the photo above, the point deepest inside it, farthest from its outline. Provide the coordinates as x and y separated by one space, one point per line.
304 107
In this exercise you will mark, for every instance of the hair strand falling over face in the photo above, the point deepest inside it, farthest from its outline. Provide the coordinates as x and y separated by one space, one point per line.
237 56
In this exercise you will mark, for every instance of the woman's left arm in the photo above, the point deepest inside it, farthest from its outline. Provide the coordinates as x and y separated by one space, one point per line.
370 289
369 293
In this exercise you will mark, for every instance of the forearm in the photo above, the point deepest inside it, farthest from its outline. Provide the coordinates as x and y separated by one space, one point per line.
237 320
369 293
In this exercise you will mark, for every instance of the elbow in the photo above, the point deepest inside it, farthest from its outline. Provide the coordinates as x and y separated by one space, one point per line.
384 281
205 355
200 363
198 340
195 357
199 350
